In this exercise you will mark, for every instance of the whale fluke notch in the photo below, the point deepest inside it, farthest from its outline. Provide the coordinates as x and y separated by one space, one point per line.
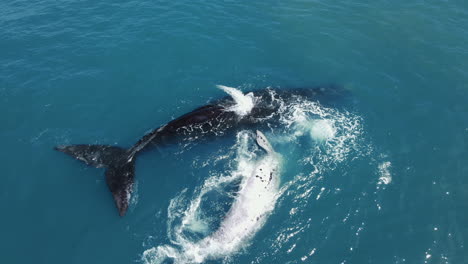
120 168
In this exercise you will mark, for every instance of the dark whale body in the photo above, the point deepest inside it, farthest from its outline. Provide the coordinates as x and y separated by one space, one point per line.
210 120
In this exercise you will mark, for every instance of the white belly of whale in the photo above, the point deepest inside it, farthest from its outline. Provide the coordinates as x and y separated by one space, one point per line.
254 202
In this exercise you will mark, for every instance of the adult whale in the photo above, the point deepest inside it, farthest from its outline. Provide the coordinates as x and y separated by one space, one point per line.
238 111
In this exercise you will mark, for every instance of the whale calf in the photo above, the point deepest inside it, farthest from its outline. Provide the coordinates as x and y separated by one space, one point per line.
238 111
253 203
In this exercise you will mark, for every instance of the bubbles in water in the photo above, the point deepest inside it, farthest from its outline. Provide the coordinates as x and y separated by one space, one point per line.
384 172
322 130
319 130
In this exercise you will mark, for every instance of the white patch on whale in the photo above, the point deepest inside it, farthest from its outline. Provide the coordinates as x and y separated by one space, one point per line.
244 103
255 200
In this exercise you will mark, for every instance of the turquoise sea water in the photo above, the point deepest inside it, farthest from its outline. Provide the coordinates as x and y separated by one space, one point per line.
382 178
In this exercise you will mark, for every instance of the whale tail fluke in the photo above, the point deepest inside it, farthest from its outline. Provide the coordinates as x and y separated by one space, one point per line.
120 168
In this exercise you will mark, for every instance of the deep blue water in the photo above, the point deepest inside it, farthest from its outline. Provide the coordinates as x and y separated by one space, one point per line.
388 184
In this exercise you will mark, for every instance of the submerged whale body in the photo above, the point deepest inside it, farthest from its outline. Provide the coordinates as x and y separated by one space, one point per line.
225 115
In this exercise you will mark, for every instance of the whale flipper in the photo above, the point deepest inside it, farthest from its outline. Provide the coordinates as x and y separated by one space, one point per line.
120 168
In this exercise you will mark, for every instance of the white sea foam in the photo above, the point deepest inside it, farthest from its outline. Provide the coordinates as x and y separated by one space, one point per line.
337 132
244 103
322 129
384 173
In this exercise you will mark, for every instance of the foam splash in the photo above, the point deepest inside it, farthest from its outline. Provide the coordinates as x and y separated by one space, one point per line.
338 133
244 103
384 172
319 130
322 130
254 201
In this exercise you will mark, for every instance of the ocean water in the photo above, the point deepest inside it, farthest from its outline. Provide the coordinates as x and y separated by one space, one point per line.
378 177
